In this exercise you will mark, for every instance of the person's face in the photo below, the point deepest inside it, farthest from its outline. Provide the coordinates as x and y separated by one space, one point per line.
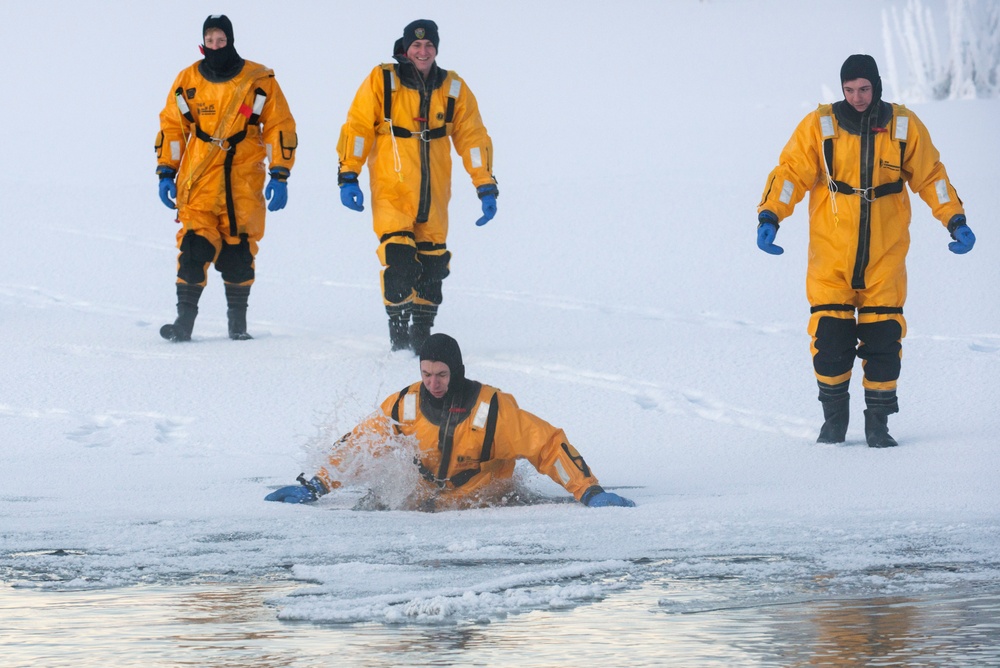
435 377
215 39
858 93
422 53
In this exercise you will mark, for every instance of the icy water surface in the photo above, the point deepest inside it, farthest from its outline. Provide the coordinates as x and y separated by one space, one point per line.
658 623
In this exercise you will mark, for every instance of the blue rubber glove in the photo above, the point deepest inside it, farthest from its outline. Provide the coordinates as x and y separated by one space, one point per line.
596 497
488 194
305 492
963 237
350 192
168 190
276 191
767 230
292 494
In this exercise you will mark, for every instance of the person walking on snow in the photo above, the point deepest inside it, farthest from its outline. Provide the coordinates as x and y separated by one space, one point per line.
401 120
224 115
469 437
853 158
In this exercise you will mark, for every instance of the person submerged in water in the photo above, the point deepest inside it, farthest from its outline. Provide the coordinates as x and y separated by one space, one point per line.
468 437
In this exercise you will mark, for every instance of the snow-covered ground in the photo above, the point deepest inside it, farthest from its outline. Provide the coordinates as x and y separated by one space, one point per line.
618 294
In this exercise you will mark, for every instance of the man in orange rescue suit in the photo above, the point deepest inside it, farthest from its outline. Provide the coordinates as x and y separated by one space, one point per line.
853 158
469 436
224 116
400 122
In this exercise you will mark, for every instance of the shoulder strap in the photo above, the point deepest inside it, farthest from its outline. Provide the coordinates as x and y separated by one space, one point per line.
491 428
900 132
828 127
399 400
388 88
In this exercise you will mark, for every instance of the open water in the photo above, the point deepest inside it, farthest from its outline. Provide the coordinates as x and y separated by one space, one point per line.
227 624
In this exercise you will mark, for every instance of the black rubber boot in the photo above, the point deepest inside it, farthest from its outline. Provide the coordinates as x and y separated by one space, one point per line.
836 416
187 310
237 297
423 321
881 404
399 325
836 412
877 430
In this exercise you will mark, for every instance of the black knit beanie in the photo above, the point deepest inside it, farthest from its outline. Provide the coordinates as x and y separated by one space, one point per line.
420 29
443 348
222 22
861 66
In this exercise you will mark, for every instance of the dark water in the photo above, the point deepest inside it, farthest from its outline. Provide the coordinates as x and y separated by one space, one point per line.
233 625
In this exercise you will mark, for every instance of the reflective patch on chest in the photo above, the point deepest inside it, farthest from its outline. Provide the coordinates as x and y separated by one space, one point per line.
482 413
786 192
902 125
410 407
826 125
456 88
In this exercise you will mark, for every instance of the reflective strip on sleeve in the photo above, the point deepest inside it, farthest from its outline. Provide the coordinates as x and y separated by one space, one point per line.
902 125
410 407
359 147
269 150
786 192
456 88
482 413
562 472
826 125
941 186
175 150
477 157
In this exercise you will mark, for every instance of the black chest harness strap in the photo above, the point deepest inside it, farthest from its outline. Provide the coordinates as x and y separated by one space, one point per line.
227 144
446 436
868 193
425 132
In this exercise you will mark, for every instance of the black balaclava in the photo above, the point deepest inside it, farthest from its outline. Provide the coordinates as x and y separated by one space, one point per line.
443 348
225 62
862 66
419 29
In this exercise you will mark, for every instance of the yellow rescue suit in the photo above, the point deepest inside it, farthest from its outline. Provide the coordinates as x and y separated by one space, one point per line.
215 136
401 124
468 444
859 217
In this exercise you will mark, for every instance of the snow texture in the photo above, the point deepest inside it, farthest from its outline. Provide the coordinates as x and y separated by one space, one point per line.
618 294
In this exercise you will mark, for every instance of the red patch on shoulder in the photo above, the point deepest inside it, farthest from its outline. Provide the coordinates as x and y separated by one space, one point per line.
246 111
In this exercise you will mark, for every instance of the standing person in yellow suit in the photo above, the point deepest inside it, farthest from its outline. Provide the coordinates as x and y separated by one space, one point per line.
401 120
224 115
853 158
469 436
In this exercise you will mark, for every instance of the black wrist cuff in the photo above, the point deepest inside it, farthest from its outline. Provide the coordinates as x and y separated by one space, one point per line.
346 177
956 222
591 493
488 189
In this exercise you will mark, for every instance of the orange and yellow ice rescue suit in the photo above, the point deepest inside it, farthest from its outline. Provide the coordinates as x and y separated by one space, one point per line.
467 447
859 217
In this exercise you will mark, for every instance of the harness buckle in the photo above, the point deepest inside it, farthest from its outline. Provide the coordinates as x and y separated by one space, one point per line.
867 194
425 135
222 143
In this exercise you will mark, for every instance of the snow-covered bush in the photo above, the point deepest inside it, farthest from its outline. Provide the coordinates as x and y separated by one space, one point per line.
969 68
